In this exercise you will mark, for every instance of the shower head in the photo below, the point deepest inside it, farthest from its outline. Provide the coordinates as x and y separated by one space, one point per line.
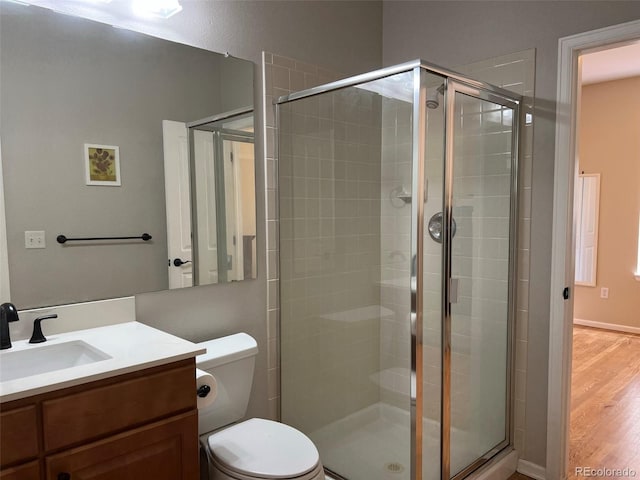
433 100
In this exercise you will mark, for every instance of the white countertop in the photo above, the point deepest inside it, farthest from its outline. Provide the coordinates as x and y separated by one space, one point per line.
132 346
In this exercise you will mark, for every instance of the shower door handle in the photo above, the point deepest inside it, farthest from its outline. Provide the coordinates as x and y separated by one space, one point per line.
453 290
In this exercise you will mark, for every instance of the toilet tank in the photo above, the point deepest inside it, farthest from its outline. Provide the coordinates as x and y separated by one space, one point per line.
231 361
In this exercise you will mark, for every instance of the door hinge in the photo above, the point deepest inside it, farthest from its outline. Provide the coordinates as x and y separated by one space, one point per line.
565 293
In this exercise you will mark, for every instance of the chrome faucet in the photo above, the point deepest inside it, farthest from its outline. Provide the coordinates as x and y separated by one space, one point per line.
8 313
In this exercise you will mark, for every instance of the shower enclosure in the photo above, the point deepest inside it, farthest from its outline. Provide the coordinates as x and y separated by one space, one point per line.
398 213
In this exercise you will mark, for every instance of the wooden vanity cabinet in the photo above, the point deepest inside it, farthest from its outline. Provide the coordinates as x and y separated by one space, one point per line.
135 426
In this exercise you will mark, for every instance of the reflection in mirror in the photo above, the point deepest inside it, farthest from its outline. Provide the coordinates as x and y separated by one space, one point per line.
224 211
587 201
66 82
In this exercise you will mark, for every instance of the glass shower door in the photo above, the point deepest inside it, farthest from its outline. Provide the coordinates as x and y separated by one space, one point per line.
345 159
479 243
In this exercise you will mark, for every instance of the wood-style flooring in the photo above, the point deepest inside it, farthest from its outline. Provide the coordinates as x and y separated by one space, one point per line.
605 401
519 476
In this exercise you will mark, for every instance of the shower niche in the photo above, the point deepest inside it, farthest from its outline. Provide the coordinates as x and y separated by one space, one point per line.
398 214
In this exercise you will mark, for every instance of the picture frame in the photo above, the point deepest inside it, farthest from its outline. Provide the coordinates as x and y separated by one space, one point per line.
102 165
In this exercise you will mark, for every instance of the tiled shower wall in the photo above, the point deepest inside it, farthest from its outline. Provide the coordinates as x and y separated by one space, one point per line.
329 176
513 72
516 72
281 76
395 252
480 261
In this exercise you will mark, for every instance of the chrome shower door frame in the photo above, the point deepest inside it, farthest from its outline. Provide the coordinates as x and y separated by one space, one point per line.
417 274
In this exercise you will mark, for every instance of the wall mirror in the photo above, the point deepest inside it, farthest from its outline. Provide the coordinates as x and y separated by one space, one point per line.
587 201
88 151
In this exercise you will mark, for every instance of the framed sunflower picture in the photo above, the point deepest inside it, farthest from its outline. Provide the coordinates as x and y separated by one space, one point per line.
102 165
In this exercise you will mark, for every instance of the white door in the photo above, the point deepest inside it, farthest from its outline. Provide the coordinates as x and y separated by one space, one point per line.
176 187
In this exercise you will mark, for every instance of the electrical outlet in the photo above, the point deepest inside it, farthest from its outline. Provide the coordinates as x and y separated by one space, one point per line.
34 239
604 292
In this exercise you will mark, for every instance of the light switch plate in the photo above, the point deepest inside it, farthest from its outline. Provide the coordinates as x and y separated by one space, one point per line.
34 239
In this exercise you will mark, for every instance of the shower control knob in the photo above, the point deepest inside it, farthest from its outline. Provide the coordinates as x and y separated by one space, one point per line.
435 227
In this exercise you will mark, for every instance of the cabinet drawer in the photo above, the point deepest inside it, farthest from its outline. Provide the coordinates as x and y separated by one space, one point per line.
165 450
30 471
104 410
19 439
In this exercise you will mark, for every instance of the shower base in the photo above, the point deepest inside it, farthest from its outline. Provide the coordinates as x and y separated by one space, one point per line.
373 444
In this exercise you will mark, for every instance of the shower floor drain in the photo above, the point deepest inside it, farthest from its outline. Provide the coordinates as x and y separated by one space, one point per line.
394 467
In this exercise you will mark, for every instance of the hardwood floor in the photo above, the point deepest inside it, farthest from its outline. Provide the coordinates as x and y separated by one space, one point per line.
605 401
519 476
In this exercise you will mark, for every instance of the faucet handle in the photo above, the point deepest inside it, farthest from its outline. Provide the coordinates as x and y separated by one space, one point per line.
37 336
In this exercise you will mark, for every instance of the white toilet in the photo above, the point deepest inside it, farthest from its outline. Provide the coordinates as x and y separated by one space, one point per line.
255 449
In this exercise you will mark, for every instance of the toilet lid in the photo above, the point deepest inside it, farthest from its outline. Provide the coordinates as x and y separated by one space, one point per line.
265 449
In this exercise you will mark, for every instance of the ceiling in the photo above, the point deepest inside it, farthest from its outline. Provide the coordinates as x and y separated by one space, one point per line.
611 64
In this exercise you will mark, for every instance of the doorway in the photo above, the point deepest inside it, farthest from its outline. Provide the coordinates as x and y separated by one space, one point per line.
606 350
563 253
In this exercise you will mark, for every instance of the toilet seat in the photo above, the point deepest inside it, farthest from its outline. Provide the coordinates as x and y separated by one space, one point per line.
263 449
316 474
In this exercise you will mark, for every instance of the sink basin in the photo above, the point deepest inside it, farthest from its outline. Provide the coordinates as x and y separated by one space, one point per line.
47 358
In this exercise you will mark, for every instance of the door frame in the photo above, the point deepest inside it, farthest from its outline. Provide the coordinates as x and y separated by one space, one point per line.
233 137
563 235
5 290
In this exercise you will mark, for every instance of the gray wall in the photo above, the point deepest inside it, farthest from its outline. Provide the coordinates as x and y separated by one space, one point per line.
345 36
458 33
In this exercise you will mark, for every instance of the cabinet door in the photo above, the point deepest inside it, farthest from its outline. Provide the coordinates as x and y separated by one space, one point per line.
165 450
98 412
29 471
19 439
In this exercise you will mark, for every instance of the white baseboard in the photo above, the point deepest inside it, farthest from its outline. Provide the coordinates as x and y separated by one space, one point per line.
606 326
500 468
531 470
